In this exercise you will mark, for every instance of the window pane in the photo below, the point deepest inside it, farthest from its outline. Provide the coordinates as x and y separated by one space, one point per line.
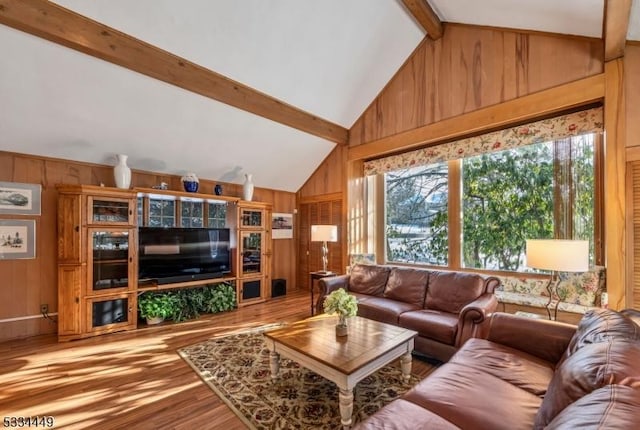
510 196
416 214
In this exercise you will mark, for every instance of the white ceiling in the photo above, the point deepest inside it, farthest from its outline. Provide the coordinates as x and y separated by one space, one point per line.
329 57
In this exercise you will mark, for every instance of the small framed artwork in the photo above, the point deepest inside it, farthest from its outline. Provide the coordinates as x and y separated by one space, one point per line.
19 199
17 239
281 226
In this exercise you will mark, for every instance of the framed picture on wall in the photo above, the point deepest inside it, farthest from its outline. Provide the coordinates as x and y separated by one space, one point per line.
281 226
19 199
17 239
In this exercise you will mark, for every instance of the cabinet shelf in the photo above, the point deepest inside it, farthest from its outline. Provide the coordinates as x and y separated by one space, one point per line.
157 287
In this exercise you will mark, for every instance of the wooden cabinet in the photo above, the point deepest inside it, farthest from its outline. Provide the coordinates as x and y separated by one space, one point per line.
97 264
253 268
98 250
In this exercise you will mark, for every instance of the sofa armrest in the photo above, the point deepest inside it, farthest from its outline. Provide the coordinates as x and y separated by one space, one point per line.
327 285
542 338
473 315
491 283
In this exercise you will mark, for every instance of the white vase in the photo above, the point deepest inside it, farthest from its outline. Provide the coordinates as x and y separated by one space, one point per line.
247 187
122 172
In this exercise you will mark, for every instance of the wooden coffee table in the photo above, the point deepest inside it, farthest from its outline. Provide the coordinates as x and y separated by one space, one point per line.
369 346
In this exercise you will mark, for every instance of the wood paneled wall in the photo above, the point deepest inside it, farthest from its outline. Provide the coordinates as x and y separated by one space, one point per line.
632 93
473 67
25 284
329 177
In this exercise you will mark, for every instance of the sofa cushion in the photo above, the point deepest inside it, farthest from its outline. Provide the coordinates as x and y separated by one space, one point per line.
368 279
474 399
516 367
451 291
591 367
602 325
384 310
403 415
609 407
407 285
436 325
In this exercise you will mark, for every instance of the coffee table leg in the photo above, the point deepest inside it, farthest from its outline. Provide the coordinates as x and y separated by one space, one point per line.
405 364
346 407
275 364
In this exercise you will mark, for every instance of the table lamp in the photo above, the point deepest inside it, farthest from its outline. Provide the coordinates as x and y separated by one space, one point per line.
557 255
324 233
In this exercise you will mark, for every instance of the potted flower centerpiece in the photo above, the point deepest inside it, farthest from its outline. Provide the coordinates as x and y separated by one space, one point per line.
345 305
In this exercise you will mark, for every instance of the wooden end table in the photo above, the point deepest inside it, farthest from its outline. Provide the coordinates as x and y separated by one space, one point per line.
314 277
313 344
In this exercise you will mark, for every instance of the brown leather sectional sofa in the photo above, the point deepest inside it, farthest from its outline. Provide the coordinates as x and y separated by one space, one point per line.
445 308
530 374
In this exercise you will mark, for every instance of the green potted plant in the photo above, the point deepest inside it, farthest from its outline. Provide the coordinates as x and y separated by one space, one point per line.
155 307
345 305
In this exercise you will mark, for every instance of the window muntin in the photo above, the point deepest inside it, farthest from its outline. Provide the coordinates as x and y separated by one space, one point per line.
191 213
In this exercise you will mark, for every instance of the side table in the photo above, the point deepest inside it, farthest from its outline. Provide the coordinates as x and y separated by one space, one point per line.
315 276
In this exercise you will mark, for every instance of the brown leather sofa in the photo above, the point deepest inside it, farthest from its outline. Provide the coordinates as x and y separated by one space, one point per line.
530 374
445 308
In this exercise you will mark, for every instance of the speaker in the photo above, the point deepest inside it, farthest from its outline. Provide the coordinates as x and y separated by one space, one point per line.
278 287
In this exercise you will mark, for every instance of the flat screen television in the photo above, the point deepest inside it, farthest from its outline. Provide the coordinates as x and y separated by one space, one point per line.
168 255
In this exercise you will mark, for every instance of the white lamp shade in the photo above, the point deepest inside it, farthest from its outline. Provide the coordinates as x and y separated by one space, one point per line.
324 233
559 255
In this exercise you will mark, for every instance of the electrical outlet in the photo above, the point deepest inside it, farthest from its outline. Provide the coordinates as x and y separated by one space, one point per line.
44 309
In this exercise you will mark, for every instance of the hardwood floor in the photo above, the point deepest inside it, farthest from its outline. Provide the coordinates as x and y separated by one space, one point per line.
134 379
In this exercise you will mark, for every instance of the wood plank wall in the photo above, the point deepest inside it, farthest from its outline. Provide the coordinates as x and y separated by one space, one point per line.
25 284
632 102
472 67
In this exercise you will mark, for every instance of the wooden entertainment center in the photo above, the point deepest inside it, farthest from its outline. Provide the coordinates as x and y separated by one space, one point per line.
98 250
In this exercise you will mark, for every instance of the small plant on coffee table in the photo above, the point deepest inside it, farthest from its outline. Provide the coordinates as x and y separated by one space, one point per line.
344 304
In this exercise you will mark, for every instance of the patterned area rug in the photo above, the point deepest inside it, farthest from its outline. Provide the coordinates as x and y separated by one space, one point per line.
236 367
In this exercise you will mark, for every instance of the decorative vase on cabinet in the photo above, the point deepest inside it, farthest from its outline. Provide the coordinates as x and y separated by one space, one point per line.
190 182
247 187
122 172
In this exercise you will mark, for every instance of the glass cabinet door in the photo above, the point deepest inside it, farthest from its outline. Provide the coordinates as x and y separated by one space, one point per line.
251 253
105 210
110 257
162 212
192 213
251 218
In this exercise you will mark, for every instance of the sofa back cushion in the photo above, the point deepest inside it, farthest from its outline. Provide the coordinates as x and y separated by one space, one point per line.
593 366
368 279
451 291
602 325
610 407
407 285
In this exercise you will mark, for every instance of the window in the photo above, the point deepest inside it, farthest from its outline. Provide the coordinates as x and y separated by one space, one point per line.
540 191
473 203
416 214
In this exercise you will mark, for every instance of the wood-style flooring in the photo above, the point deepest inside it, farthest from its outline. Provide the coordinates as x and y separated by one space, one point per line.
134 379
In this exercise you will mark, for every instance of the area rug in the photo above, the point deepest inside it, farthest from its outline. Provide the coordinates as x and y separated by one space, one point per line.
236 367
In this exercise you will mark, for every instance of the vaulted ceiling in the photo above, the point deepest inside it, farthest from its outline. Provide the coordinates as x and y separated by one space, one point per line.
321 63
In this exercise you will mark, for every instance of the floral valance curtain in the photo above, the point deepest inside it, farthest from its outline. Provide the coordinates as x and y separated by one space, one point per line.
546 130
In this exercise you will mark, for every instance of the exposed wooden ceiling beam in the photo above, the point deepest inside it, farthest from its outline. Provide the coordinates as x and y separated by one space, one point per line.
615 27
57 24
424 14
